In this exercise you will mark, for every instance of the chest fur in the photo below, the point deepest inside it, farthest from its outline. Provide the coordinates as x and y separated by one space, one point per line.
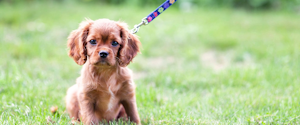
106 101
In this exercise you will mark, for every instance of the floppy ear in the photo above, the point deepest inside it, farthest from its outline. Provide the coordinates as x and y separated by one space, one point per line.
130 45
77 42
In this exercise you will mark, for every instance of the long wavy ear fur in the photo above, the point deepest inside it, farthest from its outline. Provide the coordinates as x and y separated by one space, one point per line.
77 42
130 45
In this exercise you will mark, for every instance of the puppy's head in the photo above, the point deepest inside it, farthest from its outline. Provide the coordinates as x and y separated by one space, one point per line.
104 42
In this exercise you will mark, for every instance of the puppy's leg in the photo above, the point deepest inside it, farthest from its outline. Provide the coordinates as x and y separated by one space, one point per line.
87 111
131 109
72 103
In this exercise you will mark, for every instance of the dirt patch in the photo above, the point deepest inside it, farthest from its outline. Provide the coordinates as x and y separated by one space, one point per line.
139 75
157 63
214 60
221 60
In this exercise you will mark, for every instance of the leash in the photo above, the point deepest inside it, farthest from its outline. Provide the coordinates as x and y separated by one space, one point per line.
153 15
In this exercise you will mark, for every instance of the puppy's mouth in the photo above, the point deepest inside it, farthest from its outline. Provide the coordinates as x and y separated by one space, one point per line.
102 63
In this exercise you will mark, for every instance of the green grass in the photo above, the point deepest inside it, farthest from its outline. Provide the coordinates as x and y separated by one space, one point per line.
208 66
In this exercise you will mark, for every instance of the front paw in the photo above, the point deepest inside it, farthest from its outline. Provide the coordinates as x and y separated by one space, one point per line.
75 122
91 121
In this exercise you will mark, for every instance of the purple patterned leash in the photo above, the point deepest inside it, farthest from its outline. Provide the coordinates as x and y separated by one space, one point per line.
153 15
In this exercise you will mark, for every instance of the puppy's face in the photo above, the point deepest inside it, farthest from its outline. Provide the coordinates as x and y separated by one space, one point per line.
104 42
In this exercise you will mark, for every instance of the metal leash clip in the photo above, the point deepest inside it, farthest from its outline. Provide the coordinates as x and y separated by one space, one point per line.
153 15
137 27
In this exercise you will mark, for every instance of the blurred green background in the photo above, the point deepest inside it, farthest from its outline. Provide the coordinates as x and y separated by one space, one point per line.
202 61
249 4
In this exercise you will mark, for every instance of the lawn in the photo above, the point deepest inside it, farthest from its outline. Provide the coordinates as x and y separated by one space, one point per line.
205 66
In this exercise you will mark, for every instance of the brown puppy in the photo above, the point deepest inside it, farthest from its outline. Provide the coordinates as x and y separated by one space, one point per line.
105 87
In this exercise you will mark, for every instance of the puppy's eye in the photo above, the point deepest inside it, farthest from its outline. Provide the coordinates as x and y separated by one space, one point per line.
114 43
93 41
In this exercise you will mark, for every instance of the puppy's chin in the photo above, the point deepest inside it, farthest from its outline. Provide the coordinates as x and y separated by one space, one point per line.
102 63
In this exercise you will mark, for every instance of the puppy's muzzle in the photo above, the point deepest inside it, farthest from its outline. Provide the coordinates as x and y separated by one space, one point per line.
103 54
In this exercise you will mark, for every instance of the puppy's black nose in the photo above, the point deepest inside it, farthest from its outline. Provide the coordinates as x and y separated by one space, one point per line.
103 54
